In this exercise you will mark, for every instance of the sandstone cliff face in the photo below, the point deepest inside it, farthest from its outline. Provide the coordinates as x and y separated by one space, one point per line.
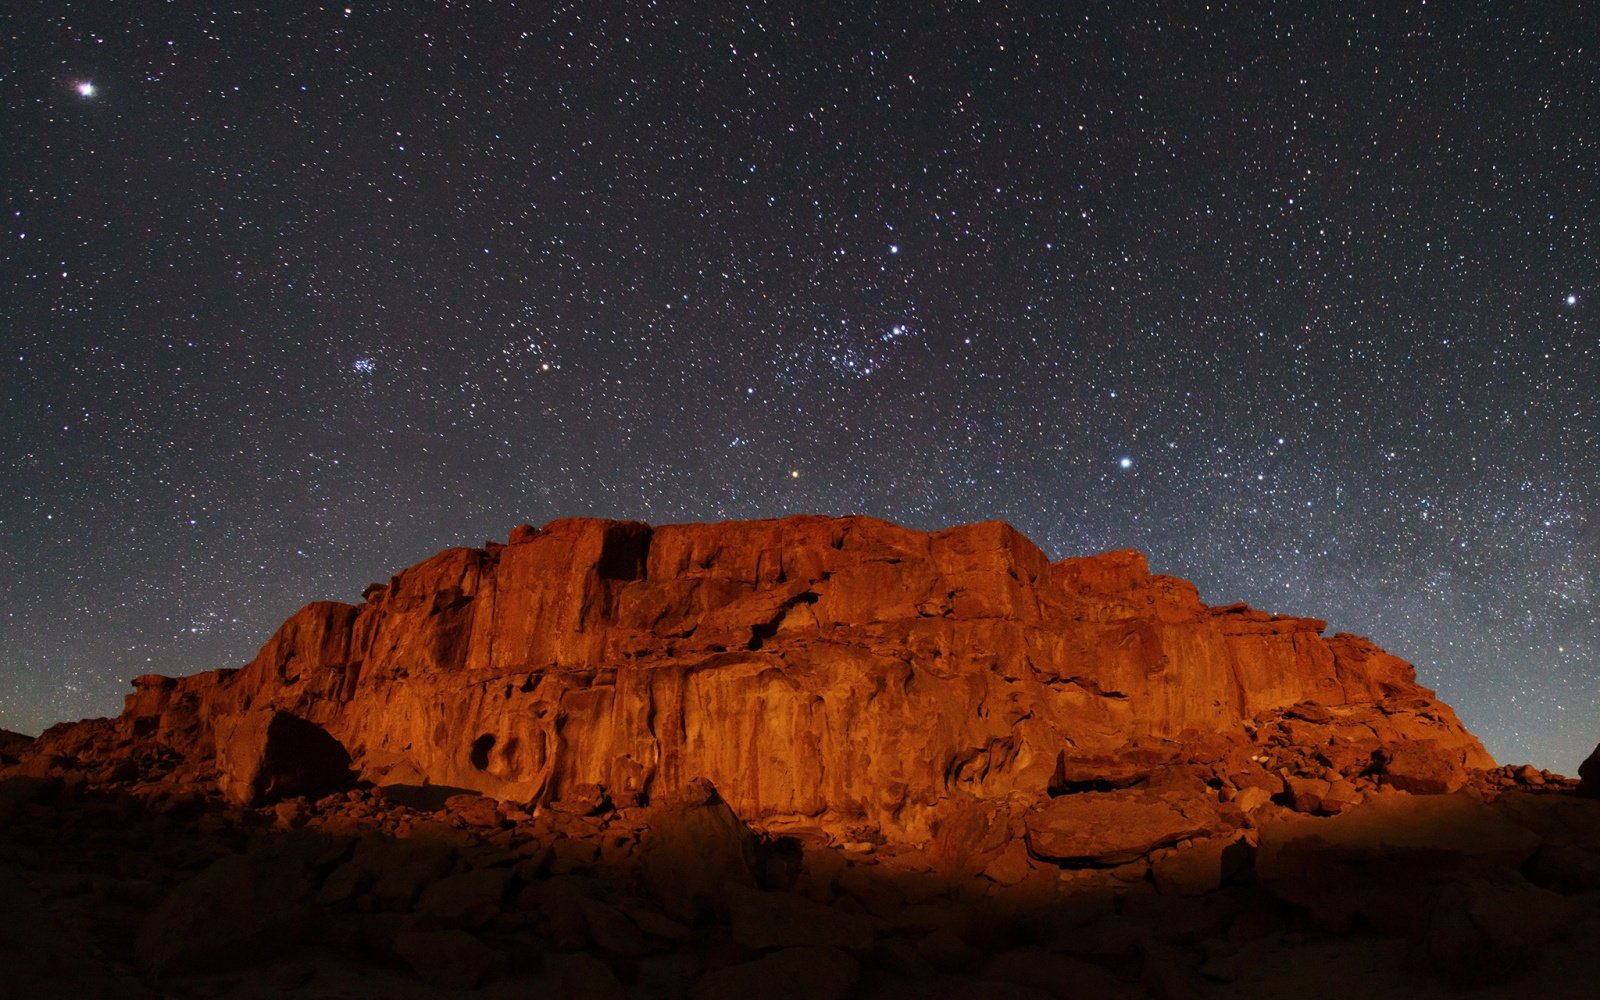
845 673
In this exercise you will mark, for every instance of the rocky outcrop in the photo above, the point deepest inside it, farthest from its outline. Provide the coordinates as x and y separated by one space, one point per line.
141 889
803 758
13 746
1589 775
841 672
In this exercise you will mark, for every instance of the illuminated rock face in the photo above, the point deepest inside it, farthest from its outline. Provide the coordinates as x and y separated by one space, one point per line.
841 672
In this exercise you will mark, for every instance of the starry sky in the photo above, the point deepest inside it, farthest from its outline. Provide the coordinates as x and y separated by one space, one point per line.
1299 299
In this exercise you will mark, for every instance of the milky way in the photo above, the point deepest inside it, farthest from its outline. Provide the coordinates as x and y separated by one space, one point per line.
1297 299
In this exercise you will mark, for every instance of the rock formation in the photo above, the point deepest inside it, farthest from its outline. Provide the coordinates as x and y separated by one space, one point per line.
812 758
1589 775
837 672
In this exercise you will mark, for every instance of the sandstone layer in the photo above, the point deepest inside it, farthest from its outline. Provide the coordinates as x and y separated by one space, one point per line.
847 673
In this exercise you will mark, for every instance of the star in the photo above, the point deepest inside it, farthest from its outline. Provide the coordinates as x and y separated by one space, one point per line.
1125 462
86 89
1571 299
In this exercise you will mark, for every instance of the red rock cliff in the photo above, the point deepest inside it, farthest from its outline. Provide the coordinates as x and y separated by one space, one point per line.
839 671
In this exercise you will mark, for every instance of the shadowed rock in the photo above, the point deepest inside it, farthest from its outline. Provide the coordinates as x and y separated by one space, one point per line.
269 755
1589 775
696 851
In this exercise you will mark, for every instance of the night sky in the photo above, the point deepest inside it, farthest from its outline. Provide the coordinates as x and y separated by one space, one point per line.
1299 299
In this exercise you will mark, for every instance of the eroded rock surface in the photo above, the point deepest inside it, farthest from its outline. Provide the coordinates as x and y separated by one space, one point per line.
267 755
808 758
841 672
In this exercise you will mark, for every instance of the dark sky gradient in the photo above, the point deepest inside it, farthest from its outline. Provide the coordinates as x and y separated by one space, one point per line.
1299 299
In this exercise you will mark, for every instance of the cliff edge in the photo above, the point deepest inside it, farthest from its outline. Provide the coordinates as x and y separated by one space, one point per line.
845 673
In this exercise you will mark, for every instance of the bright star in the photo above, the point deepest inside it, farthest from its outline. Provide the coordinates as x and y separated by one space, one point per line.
1572 300
1125 462
86 89
894 248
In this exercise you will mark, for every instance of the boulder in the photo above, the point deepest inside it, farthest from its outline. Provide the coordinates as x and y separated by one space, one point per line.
475 810
810 973
578 976
1306 795
1485 933
19 790
694 852
399 870
466 900
1201 866
240 909
1589 775
612 930
763 921
452 959
1421 768
1058 975
1012 865
1112 828
1388 859
970 834
269 755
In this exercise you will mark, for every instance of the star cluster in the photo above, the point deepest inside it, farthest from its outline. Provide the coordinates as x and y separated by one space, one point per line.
1294 298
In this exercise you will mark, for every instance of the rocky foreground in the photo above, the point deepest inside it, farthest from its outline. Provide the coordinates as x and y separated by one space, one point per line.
801 758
